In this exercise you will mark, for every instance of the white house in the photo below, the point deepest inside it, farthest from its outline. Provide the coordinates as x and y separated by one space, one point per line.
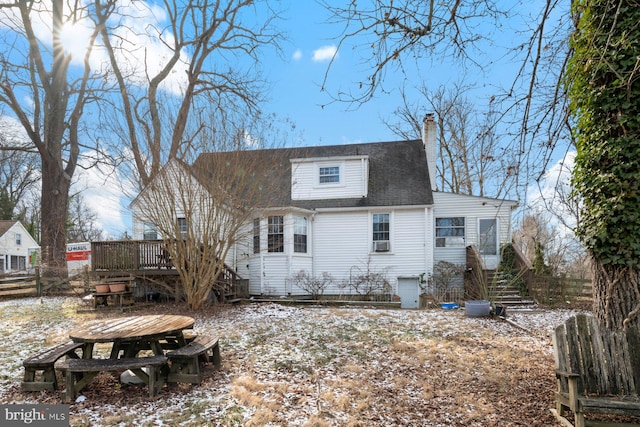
18 250
351 210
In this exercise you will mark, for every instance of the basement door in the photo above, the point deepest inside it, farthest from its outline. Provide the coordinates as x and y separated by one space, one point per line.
408 291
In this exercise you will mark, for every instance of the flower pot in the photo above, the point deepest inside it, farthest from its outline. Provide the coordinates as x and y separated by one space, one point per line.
101 289
117 287
479 308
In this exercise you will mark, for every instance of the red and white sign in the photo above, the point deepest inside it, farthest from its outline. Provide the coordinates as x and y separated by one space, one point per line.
78 255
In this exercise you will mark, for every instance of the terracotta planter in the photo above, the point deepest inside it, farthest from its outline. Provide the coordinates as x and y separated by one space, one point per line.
117 287
101 289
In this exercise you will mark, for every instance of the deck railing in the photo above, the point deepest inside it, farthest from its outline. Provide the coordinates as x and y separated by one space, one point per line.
125 255
129 256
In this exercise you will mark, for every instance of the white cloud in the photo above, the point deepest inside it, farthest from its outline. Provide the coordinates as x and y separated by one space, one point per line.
103 191
325 53
551 193
140 51
297 55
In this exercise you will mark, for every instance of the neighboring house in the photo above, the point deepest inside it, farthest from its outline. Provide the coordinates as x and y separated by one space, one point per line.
353 210
17 248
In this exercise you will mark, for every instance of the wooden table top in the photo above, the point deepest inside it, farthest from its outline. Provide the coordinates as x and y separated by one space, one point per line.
131 328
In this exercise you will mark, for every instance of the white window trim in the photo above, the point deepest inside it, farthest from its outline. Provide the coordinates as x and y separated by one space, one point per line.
293 234
465 237
391 232
341 171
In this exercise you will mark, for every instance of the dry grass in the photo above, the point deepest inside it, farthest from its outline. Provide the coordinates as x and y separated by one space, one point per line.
319 367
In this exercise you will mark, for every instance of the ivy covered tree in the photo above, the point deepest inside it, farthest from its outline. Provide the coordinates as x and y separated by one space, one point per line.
604 89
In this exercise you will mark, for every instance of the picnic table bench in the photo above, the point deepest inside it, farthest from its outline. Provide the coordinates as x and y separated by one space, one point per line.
39 370
597 371
185 361
80 372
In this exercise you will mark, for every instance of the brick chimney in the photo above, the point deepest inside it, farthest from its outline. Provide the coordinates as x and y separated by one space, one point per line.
429 141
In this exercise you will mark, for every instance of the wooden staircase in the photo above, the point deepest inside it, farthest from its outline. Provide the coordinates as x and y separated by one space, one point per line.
507 293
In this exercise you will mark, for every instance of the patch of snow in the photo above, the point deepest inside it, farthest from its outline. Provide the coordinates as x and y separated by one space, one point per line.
288 364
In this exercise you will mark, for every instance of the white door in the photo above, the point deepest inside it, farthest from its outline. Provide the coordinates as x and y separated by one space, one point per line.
488 242
408 291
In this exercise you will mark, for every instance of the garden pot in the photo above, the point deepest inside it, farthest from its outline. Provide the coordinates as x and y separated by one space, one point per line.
501 311
101 289
477 308
117 287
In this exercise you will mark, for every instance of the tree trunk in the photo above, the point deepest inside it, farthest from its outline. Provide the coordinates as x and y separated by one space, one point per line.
616 292
55 194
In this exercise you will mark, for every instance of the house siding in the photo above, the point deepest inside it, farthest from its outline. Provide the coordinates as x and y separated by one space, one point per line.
341 246
8 248
472 208
353 179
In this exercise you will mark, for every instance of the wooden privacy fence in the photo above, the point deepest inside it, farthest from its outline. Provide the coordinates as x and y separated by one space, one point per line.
551 290
597 371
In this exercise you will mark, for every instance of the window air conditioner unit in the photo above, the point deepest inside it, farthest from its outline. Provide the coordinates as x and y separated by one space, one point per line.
381 246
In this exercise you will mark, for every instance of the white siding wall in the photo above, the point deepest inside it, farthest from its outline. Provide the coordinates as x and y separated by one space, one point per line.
9 248
340 244
353 179
471 208
343 246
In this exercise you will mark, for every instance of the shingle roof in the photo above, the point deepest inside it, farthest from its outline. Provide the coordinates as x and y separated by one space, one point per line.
398 173
5 226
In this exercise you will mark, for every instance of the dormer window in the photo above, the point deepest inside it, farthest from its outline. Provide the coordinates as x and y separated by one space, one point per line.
329 175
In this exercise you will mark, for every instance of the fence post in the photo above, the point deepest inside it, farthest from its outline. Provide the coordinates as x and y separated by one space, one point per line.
38 282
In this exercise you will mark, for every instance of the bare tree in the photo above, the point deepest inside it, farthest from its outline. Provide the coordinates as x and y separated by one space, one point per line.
560 247
530 103
19 168
38 68
81 222
204 45
195 67
470 159
203 210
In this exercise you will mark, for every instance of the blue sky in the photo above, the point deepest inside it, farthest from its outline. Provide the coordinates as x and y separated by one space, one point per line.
295 91
296 94
297 80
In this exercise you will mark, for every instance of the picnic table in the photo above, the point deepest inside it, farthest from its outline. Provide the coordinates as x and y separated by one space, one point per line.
129 336
132 334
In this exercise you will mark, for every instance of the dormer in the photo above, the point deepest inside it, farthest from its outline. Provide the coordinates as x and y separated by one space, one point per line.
339 177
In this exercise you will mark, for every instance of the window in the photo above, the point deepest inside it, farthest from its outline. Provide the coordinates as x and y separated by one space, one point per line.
330 175
275 234
18 239
381 235
182 226
450 232
18 263
150 231
256 236
300 234
380 227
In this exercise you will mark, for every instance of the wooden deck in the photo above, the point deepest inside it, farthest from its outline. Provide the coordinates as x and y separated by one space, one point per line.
145 260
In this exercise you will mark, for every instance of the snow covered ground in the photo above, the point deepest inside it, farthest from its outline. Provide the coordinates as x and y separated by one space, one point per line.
314 366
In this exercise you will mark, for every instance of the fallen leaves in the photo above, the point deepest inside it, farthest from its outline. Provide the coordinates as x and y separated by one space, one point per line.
318 366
